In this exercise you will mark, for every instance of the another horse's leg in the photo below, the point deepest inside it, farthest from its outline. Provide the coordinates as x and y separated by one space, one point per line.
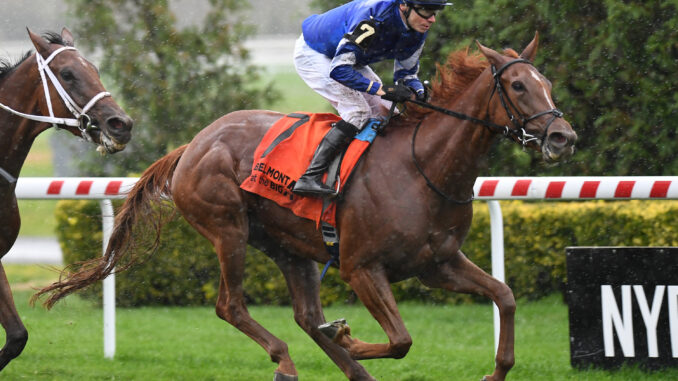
303 283
374 290
461 275
16 334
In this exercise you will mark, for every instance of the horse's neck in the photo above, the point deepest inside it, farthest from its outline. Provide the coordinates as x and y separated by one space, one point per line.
452 151
20 90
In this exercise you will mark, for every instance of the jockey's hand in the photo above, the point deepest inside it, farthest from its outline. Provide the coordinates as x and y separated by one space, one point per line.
397 93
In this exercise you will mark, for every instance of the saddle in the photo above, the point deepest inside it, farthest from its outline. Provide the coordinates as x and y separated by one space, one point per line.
284 154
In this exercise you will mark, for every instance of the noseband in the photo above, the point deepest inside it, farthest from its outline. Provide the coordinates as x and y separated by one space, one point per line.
82 121
517 134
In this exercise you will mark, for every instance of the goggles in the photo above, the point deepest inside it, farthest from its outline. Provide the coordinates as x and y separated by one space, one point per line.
425 12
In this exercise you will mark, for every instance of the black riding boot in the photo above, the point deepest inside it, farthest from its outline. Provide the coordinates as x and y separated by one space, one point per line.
336 140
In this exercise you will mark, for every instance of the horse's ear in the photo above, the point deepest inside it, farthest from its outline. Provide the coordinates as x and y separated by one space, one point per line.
67 37
530 51
40 44
492 56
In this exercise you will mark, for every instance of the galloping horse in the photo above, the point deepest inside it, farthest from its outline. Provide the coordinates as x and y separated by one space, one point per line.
405 213
47 88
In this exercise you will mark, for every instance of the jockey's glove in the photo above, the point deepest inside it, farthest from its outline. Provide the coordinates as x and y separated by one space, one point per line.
397 93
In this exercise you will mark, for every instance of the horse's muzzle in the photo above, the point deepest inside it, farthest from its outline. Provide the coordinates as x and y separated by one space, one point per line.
559 143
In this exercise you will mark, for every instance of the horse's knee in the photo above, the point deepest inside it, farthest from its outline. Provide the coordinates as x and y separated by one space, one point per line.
400 348
15 342
506 302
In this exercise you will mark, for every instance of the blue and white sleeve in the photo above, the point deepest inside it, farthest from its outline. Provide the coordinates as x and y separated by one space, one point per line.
406 70
342 69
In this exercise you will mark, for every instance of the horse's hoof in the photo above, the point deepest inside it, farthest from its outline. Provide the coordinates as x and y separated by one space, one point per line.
284 377
331 329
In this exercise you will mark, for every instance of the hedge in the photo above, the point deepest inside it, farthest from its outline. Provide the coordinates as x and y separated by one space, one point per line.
185 270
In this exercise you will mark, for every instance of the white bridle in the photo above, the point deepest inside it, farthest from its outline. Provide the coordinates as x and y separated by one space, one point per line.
82 120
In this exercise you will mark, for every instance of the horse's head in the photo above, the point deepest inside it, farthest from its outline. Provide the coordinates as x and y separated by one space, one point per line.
82 94
522 100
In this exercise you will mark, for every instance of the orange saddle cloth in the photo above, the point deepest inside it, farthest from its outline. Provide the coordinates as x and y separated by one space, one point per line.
283 156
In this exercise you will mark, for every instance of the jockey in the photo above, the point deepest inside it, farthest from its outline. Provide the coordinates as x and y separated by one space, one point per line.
332 57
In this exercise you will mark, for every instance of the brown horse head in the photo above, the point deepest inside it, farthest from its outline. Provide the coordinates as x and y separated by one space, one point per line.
105 123
523 96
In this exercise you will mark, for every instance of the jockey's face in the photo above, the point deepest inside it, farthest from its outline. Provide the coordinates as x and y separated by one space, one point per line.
417 18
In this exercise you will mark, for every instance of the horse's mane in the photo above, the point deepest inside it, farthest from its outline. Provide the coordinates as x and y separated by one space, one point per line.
452 78
6 66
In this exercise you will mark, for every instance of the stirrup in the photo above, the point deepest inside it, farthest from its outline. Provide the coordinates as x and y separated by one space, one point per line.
316 191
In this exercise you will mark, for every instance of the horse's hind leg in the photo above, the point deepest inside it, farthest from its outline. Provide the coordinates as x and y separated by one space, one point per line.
16 334
461 275
221 217
303 283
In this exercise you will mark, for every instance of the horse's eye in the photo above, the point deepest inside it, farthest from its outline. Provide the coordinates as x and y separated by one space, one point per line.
518 86
67 75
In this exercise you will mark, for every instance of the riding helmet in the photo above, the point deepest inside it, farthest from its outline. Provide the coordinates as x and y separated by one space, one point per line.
430 4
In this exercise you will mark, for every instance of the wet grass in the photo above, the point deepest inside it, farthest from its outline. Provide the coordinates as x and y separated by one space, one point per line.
175 343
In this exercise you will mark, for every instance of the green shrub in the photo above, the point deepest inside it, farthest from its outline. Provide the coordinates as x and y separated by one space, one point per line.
185 269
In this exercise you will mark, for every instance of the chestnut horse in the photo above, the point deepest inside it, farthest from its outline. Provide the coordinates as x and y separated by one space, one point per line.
55 86
400 217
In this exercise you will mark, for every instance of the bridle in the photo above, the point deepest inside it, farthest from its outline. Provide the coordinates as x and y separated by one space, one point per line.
82 121
517 134
521 121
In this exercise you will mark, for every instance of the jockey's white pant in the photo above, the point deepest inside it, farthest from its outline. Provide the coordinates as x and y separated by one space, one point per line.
353 106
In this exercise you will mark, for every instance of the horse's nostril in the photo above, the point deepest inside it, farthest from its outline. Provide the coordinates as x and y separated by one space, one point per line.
119 123
557 139
116 123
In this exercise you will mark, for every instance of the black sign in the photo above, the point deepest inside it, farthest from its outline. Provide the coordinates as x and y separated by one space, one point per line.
623 306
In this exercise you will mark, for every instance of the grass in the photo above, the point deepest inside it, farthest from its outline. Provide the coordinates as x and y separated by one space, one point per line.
172 343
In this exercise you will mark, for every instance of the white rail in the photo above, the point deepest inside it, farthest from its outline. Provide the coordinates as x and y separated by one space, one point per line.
490 189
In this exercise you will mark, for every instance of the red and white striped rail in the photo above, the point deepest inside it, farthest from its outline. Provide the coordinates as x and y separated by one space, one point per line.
576 188
486 188
74 187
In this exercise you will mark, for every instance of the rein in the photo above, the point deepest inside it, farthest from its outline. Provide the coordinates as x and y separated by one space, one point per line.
82 121
517 134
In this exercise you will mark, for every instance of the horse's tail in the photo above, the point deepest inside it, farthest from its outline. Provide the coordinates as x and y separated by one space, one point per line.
148 199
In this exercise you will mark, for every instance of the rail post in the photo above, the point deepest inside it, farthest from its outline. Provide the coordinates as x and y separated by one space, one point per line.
107 220
497 233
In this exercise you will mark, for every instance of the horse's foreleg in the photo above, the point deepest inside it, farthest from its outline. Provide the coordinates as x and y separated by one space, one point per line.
303 283
461 275
16 334
374 290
